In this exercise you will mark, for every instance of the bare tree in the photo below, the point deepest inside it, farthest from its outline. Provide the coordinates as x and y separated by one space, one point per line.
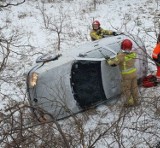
19 128
11 4
54 24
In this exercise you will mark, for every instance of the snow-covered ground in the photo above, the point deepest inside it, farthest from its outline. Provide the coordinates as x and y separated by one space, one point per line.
34 28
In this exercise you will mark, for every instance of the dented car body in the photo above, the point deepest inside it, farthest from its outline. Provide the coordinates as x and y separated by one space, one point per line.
66 84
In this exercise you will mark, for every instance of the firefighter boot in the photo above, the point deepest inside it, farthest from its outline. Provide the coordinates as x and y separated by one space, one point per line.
129 103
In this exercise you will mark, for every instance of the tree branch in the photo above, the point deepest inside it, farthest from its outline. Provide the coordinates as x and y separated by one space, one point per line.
9 4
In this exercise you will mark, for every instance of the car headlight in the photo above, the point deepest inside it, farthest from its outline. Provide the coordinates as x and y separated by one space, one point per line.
33 79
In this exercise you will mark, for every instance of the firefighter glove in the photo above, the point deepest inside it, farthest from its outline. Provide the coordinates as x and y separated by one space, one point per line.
114 33
107 58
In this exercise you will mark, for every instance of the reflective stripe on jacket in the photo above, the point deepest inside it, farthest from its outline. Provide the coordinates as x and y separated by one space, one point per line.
128 71
126 62
156 51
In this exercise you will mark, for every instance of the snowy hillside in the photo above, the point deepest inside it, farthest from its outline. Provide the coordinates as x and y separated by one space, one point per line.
34 28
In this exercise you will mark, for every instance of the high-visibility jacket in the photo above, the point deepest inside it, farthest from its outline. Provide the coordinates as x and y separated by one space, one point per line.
156 51
156 57
99 33
125 61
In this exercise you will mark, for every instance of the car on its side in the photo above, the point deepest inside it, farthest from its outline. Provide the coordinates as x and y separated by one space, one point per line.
66 84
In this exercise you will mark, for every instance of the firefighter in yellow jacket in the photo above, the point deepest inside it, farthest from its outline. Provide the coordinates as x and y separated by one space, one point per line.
126 62
98 33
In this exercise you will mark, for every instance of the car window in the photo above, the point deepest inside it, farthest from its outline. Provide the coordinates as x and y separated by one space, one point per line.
86 83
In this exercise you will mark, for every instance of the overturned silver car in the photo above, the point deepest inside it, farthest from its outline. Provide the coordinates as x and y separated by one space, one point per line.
66 84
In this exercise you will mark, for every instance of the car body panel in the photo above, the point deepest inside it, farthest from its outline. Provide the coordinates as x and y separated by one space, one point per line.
81 78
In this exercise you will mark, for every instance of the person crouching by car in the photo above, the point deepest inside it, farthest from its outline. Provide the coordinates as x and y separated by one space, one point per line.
98 33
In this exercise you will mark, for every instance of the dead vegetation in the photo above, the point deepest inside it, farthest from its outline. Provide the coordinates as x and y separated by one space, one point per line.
105 125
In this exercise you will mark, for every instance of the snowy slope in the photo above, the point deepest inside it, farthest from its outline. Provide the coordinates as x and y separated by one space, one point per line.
35 25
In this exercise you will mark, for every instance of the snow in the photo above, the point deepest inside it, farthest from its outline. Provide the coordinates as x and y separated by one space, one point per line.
26 20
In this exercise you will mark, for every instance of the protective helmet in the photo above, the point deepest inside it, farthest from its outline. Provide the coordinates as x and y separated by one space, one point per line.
96 23
126 44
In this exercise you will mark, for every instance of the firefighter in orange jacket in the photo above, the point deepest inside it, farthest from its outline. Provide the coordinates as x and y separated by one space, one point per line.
126 62
156 57
98 33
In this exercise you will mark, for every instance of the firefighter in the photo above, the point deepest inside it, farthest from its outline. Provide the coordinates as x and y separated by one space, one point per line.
98 33
156 57
126 61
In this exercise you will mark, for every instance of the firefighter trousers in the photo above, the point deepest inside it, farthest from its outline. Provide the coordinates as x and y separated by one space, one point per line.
158 73
130 89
